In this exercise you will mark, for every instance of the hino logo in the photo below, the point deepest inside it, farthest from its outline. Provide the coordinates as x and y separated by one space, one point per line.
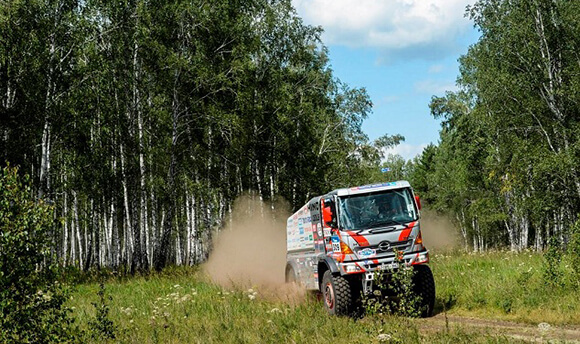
384 246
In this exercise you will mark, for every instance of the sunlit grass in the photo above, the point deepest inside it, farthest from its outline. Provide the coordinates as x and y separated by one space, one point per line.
501 285
181 306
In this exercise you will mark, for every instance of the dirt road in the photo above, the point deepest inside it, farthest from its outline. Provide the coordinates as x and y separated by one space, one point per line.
539 333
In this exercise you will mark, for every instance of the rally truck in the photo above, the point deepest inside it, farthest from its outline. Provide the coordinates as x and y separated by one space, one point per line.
341 242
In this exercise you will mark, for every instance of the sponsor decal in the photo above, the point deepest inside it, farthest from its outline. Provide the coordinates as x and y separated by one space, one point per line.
326 232
319 230
310 237
301 230
372 186
367 253
335 243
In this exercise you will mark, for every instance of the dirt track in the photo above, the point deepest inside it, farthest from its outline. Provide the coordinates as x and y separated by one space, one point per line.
540 333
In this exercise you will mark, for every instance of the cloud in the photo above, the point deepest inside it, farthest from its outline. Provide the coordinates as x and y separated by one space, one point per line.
436 69
407 151
400 29
434 87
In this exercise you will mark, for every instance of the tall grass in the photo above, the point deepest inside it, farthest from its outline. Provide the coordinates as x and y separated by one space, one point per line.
181 306
503 285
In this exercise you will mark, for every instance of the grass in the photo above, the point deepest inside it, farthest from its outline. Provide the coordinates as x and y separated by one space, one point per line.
180 306
502 285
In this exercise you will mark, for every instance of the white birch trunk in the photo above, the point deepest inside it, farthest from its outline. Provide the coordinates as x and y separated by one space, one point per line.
78 229
128 236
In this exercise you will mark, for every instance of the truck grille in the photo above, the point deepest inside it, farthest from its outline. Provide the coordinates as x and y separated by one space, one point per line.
389 247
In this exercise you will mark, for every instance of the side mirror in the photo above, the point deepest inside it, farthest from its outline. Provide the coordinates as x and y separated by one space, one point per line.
328 213
418 200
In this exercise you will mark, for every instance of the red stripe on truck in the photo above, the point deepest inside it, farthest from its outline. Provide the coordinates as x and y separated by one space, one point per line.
360 240
406 232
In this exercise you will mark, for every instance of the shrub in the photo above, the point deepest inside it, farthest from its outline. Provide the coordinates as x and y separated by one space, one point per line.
31 298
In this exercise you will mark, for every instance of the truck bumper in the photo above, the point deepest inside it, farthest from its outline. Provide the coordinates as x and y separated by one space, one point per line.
388 263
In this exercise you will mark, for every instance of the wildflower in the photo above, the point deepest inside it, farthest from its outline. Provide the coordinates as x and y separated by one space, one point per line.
274 310
185 298
544 326
251 296
383 337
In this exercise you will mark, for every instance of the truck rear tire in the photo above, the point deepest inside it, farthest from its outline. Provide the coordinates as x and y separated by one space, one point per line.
424 286
336 293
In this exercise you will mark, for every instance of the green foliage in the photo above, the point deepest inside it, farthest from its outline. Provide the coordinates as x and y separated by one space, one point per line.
506 167
394 293
102 327
573 254
31 298
130 112
553 273
561 264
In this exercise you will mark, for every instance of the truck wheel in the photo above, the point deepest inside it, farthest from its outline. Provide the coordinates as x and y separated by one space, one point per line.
424 286
336 294
290 275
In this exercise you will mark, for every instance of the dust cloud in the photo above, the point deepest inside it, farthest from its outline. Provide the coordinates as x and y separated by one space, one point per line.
250 252
439 234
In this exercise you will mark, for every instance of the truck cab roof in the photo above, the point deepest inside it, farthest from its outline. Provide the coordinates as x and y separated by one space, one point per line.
370 188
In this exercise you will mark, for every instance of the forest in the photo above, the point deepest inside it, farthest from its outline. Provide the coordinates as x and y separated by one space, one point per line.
141 122
506 168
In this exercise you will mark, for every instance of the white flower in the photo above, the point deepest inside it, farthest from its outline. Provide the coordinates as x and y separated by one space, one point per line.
251 296
383 337
544 326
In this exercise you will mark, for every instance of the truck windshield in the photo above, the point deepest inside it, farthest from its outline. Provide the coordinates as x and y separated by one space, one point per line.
372 210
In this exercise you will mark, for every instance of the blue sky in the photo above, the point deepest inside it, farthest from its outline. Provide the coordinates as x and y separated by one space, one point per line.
402 51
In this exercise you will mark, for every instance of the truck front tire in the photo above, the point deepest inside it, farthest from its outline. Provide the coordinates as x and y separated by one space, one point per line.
336 294
424 286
